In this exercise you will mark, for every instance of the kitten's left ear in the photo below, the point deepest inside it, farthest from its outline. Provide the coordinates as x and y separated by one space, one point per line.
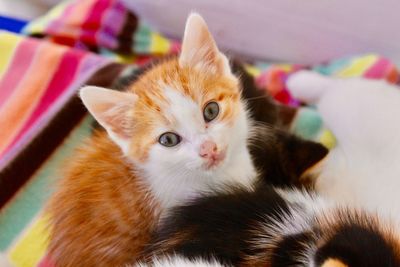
199 49
111 109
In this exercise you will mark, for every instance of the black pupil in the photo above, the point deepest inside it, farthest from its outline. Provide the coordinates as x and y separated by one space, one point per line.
169 139
211 111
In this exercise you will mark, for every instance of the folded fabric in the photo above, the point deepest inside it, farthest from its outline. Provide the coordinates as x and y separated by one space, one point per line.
38 105
100 24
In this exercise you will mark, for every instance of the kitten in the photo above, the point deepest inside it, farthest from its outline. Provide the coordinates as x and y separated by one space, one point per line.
179 130
276 228
363 169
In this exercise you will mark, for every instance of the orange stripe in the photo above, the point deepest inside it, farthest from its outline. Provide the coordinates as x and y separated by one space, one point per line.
79 12
22 102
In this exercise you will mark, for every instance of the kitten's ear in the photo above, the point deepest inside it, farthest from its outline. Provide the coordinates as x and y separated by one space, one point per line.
111 109
300 154
199 49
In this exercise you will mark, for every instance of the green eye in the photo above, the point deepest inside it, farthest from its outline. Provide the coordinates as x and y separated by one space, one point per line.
169 139
211 111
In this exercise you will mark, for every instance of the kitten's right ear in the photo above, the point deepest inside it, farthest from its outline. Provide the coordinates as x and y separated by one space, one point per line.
199 49
111 109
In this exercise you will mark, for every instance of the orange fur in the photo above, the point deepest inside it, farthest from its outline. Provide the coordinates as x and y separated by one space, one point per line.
101 215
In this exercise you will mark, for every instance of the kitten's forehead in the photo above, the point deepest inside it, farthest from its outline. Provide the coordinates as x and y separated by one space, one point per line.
182 111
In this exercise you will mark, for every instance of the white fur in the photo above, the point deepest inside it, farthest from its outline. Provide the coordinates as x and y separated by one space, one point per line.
178 173
178 261
364 115
303 209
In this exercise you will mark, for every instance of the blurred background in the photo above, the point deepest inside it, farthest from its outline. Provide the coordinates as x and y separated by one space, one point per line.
307 31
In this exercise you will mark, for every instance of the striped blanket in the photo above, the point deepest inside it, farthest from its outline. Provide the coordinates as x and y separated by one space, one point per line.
42 121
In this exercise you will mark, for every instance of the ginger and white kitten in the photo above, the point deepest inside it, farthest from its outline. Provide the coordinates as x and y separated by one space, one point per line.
179 130
172 102
363 170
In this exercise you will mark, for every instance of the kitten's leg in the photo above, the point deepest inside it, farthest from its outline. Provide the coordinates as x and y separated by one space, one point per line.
308 86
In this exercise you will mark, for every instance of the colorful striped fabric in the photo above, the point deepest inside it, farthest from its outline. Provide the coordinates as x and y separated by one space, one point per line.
23 228
37 81
100 24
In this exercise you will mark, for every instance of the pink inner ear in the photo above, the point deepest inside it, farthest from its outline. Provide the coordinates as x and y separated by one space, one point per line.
110 108
199 48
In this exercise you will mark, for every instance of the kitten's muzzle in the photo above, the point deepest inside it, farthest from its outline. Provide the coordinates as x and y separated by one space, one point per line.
209 151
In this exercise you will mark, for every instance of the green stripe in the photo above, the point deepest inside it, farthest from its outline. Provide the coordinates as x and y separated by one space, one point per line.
142 39
31 198
307 124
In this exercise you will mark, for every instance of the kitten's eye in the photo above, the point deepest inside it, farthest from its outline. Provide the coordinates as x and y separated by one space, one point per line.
169 139
211 111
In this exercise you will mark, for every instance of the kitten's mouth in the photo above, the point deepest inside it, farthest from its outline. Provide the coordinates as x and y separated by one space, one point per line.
215 160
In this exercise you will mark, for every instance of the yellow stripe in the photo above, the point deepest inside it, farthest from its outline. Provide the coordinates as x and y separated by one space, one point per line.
358 67
31 247
159 44
252 70
284 67
8 45
39 25
327 139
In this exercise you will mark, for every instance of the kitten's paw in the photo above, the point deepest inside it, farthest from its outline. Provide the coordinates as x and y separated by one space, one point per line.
307 86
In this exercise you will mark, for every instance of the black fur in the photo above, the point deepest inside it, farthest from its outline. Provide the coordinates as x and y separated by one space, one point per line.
287 250
281 158
227 227
262 108
219 226
359 246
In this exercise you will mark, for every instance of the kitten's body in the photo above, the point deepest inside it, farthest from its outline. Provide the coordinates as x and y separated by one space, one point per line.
276 228
102 214
363 170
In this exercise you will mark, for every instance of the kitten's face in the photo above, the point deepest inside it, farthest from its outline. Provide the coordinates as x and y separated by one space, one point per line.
188 119
184 113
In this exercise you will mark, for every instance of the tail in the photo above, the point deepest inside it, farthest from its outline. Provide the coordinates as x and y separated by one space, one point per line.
357 239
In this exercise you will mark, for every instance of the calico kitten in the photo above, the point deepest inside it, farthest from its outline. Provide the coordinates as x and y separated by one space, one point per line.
179 130
276 228
363 170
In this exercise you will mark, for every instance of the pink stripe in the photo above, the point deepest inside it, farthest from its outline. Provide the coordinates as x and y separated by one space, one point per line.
92 22
378 70
46 262
89 65
55 25
20 63
62 78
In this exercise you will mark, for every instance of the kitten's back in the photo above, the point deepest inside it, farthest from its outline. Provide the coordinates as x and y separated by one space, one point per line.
91 213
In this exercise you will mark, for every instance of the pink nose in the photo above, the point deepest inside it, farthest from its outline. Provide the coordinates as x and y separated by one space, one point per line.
208 149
